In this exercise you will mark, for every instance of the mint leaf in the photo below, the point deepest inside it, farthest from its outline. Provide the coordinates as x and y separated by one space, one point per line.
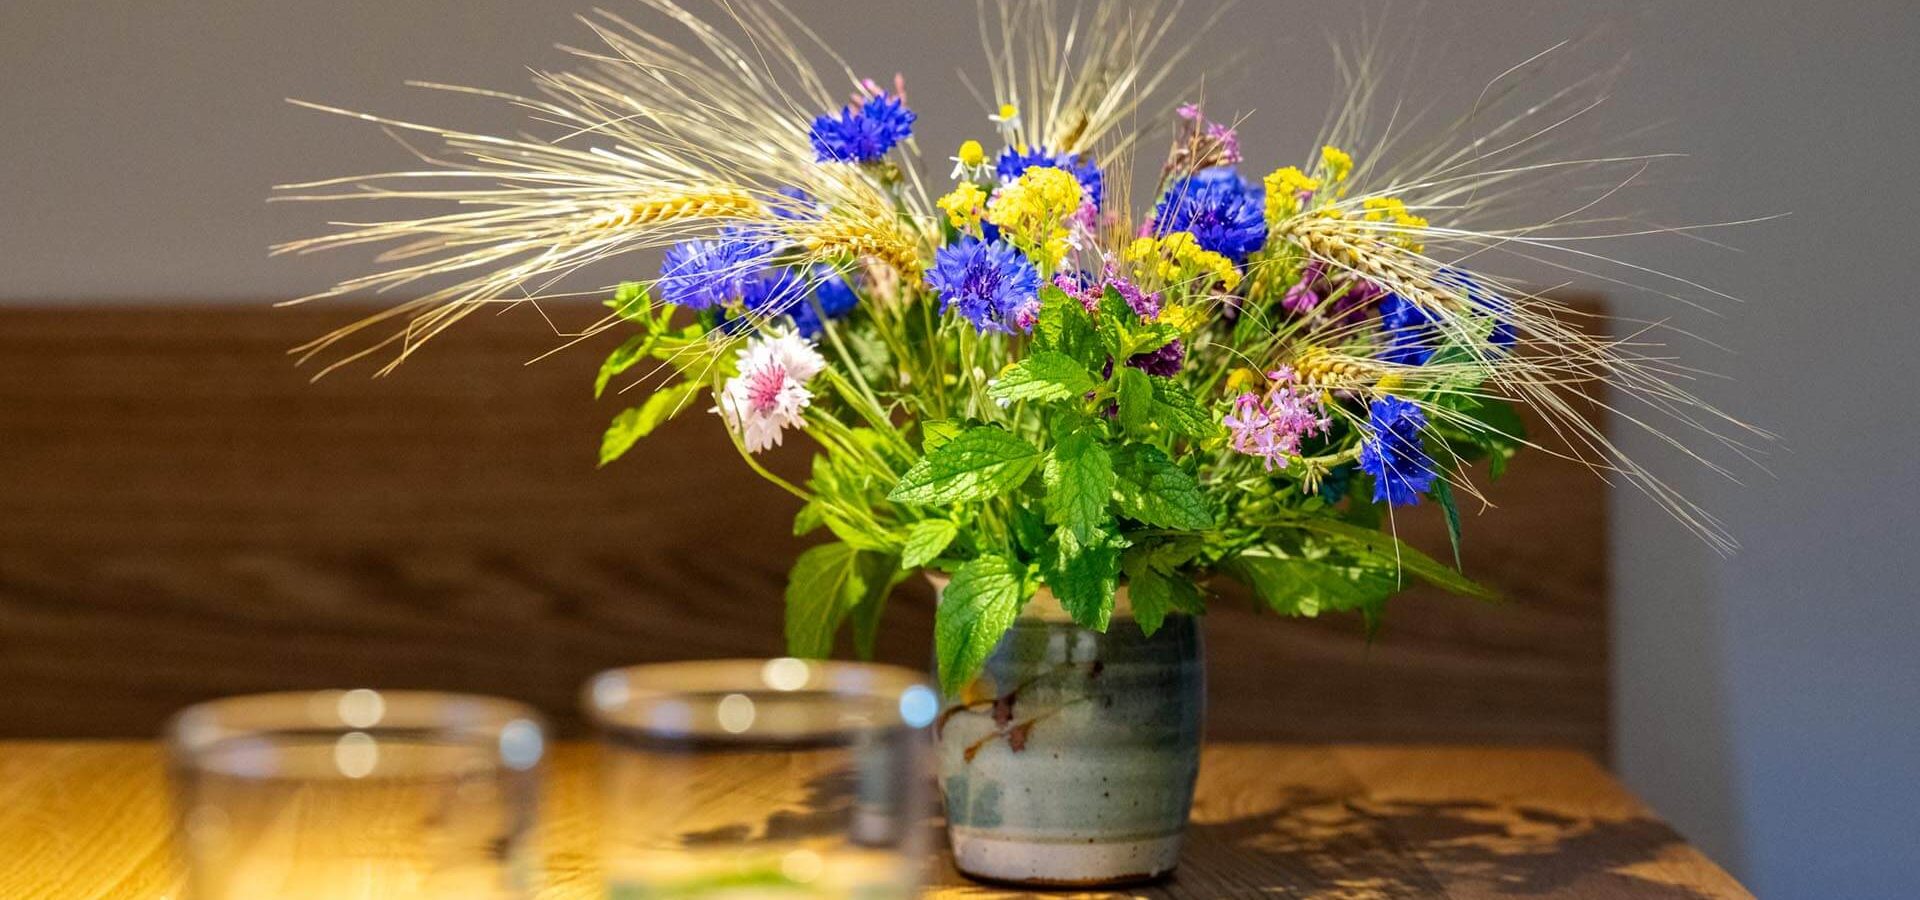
810 517
925 541
1065 326
1079 484
1175 408
1151 594
1084 574
976 464
1154 489
623 357
976 608
632 425
1045 376
825 585
933 434
1298 586
1155 586
1135 398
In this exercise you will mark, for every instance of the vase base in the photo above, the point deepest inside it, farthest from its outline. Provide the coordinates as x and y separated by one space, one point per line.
1085 863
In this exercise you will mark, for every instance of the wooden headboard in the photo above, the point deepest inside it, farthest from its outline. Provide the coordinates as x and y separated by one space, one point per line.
184 515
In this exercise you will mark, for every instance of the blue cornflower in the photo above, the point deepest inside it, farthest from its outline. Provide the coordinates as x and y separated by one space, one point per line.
783 292
992 285
862 134
1226 213
796 206
1013 164
1504 334
1400 466
703 274
1411 334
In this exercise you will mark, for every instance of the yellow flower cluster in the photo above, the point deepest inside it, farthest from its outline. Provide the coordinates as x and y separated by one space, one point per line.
1032 212
1183 316
964 206
1338 163
1178 258
1284 187
1394 210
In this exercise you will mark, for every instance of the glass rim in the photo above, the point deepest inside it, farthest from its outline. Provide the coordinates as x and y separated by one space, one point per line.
617 701
516 729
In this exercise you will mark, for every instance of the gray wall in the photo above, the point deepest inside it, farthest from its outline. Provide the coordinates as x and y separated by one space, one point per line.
1766 703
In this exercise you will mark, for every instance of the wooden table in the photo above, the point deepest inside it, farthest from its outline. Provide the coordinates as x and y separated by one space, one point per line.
80 821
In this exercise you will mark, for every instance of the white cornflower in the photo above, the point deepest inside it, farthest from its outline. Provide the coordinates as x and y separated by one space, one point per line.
770 393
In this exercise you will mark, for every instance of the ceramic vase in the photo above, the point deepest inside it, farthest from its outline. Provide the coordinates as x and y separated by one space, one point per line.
1071 760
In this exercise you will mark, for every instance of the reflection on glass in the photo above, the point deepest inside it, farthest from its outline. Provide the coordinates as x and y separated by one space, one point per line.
357 795
776 778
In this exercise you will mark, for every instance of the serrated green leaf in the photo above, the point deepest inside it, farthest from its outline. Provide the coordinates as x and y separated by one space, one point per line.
824 587
1297 586
633 424
1065 326
1175 408
976 609
1084 574
1151 594
623 357
1079 482
1152 488
809 519
925 541
1045 376
933 434
976 464
1135 390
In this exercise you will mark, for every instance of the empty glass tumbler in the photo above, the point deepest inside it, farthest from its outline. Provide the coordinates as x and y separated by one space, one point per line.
357 795
763 778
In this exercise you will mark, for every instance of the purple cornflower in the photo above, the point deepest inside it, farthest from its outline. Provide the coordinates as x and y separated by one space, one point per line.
703 274
862 134
1272 426
1411 333
1394 455
991 285
1226 213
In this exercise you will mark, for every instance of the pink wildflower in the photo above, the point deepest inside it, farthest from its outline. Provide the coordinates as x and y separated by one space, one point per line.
1272 426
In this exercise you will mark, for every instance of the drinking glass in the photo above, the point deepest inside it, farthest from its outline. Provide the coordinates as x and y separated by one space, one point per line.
357 795
763 778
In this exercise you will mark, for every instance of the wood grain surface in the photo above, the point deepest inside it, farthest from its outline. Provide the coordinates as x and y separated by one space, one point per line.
183 515
90 821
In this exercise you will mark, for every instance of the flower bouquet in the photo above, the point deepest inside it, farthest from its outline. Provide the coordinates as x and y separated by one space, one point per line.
1076 373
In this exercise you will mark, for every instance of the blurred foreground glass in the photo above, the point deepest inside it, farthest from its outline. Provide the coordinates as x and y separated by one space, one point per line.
368 795
763 778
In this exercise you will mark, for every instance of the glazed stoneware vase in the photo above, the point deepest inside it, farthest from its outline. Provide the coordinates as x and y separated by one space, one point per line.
1071 760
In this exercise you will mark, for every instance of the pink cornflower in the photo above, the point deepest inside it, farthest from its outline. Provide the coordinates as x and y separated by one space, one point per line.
1272 426
770 394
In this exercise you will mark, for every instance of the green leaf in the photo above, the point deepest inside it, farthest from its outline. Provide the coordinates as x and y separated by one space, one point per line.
1298 586
1079 484
1154 489
925 541
1155 586
632 303
1490 427
632 425
880 573
809 519
1176 409
1378 545
1443 494
976 464
624 357
976 609
933 434
1065 327
1135 398
1045 376
825 585
1084 574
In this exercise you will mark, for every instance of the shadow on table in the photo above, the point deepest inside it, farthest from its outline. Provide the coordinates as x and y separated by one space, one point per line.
1318 846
